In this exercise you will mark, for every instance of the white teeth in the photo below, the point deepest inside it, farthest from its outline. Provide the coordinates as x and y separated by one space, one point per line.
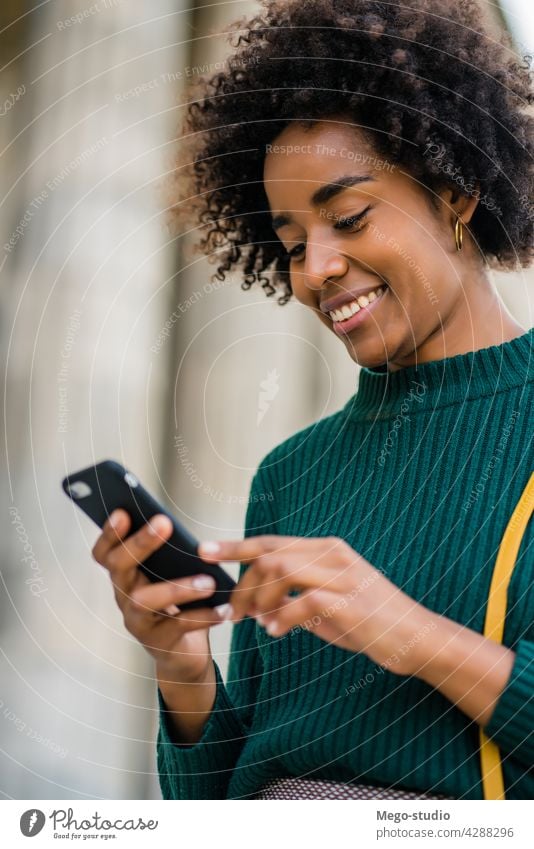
348 310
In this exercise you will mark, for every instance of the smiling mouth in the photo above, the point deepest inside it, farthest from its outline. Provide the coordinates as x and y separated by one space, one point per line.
350 315
348 310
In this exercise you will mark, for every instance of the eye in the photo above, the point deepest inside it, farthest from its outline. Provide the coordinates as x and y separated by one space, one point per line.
353 222
295 252
350 224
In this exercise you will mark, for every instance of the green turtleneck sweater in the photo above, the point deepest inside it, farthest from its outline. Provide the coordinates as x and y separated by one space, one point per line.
419 472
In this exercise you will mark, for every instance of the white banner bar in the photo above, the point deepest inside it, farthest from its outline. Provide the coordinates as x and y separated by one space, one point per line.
245 824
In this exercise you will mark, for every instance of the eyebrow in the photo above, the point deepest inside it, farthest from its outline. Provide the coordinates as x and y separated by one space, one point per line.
325 193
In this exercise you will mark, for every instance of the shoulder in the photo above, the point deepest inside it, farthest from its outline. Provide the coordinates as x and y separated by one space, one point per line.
298 450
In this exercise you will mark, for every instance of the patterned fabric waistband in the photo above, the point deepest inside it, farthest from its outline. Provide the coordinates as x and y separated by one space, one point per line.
307 788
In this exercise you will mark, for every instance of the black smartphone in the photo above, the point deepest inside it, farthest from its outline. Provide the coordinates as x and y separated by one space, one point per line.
106 486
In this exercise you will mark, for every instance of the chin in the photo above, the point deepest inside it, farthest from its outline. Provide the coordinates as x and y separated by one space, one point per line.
369 356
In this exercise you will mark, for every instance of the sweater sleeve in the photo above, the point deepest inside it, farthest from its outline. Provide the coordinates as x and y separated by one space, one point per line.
203 770
512 723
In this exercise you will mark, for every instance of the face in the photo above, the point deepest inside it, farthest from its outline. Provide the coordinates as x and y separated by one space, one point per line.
369 254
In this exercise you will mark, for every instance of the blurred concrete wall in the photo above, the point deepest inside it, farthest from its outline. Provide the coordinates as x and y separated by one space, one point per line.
85 266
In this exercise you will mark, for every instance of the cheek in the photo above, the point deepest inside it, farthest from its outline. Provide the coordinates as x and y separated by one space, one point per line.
402 247
309 298
325 320
303 293
420 281
406 268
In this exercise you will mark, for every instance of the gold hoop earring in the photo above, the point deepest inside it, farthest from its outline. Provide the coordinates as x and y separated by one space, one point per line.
459 233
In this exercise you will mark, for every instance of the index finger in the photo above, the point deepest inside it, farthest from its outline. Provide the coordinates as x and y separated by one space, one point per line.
113 531
245 549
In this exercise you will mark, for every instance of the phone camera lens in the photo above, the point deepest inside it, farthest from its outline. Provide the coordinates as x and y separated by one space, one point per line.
79 489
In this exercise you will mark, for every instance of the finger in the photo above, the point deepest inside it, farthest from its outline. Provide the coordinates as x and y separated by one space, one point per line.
248 549
271 576
265 616
262 585
168 635
123 560
171 610
114 529
243 550
153 598
203 617
312 610
269 595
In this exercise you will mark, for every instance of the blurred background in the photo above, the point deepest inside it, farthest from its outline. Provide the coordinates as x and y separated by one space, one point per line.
114 345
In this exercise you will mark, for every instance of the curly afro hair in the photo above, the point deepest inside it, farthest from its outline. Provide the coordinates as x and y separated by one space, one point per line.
417 78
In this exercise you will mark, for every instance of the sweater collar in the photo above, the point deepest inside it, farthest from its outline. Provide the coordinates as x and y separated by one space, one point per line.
439 383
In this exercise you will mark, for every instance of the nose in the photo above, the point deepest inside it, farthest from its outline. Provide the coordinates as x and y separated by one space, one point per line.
323 263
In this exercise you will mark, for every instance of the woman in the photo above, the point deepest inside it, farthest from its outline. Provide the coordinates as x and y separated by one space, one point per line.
372 161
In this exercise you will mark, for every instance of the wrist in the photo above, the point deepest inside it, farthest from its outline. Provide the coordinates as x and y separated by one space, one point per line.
168 675
188 705
434 658
471 670
416 641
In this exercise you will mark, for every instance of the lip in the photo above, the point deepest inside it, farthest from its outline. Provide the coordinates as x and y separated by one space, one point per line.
346 298
344 327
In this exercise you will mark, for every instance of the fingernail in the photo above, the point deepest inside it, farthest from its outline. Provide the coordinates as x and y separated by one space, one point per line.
272 628
114 519
260 619
154 526
209 547
203 582
172 610
224 611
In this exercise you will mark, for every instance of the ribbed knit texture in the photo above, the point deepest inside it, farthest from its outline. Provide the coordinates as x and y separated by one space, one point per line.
420 473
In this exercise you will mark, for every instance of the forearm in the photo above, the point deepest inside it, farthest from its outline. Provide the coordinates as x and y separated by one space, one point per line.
469 669
189 704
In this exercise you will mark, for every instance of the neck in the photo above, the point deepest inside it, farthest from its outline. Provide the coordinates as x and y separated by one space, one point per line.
479 319
444 381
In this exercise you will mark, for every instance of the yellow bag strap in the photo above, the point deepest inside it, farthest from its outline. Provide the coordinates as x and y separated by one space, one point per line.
490 758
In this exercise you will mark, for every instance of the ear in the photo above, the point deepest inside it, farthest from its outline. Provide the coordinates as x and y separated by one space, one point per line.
461 203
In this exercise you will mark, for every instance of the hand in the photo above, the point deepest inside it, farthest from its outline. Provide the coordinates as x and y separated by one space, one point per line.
342 598
179 643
